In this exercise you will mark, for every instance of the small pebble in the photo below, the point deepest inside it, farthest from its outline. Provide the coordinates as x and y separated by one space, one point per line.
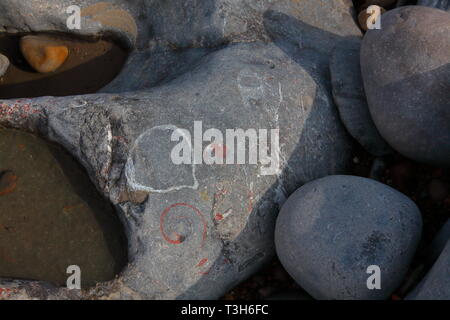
43 53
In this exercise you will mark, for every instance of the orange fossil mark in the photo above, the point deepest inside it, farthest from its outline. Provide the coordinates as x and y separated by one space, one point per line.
176 238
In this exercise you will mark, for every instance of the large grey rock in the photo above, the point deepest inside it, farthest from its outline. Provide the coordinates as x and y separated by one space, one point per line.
194 231
350 98
406 73
438 4
4 64
312 28
436 284
332 229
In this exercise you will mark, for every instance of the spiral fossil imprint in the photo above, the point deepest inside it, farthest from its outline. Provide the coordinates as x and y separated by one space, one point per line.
178 239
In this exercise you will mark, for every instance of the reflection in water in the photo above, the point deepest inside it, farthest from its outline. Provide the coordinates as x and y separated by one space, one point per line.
51 216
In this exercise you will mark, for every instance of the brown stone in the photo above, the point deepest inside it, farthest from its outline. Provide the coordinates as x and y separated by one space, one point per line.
43 53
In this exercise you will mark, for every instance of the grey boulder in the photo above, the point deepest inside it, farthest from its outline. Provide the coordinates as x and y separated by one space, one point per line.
350 98
194 230
331 230
406 73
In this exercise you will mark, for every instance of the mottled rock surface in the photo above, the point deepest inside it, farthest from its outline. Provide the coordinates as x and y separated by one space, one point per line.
406 73
332 229
438 4
350 98
194 231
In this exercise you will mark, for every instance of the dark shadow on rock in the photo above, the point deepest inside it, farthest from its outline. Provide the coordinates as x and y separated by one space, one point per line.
307 45
172 52
395 114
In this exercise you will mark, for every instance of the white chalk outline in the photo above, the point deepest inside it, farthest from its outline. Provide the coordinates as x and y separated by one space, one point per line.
130 170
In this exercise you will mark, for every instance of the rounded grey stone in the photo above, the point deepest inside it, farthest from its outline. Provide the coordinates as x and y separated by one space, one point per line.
350 98
406 72
332 229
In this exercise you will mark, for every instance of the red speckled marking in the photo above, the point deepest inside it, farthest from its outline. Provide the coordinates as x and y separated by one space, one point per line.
20 110
202 262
